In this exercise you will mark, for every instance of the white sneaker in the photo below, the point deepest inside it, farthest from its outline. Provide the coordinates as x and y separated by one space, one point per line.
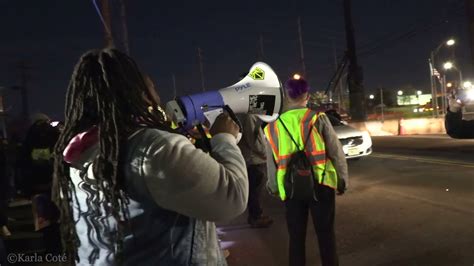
5 231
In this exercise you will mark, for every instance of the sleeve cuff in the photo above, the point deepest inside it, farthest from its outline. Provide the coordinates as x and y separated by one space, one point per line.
223 137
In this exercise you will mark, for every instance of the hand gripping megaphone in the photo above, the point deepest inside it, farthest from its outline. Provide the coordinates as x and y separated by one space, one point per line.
258 93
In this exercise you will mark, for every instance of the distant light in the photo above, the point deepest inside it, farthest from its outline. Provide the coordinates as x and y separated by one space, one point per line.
467 85
449 84
54 123
371 96
418 92
415 110
450 42
296 76
448 65
400 93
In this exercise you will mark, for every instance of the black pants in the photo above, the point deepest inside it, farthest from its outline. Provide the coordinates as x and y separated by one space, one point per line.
3 212
257 174
323 214
3 253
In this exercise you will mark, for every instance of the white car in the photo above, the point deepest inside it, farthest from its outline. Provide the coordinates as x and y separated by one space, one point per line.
355 143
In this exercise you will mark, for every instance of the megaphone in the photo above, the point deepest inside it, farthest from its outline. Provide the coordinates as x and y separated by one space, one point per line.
259 93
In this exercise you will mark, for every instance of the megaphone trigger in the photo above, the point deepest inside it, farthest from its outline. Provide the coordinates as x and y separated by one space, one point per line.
233 116
212 115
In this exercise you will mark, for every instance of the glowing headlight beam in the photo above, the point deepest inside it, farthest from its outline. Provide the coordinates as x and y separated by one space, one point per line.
470 94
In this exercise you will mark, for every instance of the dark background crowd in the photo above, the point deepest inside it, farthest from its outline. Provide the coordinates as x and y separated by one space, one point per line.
25 179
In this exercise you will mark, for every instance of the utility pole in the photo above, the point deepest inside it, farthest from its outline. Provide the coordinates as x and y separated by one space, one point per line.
25 107
174 87
470 17
109 41
261 54
355 77
434 90
201 69
339 83
303 66
381 104
443 94
123 16
2 114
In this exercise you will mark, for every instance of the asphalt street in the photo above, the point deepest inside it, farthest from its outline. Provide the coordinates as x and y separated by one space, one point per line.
409 203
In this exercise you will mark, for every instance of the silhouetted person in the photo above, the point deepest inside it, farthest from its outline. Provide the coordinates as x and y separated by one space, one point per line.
4 189
36 157
36 161
253 149
456 127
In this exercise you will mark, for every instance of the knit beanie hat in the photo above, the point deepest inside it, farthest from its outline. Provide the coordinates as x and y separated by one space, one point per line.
296 87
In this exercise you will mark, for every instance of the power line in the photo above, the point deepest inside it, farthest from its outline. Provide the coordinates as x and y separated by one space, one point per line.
391 39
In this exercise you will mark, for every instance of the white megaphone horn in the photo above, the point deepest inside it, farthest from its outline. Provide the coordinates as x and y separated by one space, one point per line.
259 93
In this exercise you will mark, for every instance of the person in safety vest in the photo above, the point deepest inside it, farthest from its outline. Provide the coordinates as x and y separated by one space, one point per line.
36 156
456 127
329 166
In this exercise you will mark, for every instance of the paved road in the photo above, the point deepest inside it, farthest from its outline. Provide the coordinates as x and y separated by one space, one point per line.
410 203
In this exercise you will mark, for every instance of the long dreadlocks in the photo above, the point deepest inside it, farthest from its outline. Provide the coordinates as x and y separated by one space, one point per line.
107 91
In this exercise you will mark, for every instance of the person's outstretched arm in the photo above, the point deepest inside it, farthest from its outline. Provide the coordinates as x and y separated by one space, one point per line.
187 180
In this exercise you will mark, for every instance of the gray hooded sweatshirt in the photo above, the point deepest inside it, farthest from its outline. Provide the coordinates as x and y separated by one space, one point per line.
176 194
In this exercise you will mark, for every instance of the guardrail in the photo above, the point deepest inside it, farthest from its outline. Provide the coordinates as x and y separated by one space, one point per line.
393 127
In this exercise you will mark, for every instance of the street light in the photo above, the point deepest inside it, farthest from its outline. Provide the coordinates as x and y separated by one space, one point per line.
448 65
450 42
400 93
418 93
371 96
296 76
449 84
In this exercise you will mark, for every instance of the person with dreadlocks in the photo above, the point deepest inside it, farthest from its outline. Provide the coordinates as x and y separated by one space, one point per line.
130 190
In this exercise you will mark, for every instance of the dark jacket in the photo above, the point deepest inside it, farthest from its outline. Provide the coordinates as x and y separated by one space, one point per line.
458 128
253 140
36 157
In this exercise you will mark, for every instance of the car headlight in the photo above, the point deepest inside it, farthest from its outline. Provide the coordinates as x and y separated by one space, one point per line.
470 94
366 137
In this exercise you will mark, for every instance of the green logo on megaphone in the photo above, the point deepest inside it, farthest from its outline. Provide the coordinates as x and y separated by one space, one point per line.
257 74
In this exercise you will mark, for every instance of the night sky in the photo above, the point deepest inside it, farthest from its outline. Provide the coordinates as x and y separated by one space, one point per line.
394 39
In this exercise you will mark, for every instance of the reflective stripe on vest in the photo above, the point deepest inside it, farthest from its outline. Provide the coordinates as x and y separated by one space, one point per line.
299 122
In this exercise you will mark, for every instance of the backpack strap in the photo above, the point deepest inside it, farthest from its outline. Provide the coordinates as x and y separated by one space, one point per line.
297 146
307 137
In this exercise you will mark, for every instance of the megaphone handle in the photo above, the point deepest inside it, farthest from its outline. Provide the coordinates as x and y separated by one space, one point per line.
205 139
233 116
